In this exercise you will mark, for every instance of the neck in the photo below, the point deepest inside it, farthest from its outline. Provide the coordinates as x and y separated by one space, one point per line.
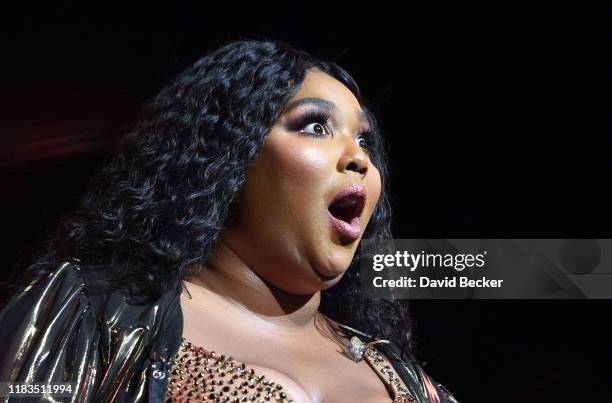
228 281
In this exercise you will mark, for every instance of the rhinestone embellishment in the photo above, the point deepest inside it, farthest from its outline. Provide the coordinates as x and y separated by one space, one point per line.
356 349
380 366
199 375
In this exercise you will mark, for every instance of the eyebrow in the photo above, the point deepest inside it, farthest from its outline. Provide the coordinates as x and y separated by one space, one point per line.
323 104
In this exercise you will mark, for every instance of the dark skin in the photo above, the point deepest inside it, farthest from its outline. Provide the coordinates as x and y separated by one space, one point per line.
258 297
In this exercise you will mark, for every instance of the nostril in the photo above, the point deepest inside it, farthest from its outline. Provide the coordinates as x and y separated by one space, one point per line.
353 166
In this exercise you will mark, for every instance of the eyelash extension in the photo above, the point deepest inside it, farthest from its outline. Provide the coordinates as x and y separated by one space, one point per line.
317 116
312 116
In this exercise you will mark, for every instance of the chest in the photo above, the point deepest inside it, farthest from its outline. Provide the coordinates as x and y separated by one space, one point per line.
260 362
327 382
199 374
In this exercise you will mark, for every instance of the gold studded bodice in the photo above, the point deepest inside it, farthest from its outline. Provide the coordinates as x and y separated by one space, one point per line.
199 375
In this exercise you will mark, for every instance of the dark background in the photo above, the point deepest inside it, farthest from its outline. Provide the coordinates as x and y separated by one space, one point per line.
498 116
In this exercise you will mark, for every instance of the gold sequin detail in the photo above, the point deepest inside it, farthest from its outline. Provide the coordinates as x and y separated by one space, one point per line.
383 369
200 375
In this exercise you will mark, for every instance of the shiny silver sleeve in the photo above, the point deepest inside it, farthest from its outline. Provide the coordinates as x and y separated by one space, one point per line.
48 333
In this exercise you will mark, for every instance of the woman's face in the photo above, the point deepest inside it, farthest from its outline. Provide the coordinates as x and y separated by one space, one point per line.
284 230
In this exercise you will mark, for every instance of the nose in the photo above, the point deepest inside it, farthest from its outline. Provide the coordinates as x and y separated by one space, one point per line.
353 158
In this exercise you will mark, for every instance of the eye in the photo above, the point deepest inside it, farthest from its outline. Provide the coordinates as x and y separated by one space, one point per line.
313 123
318 129
364 140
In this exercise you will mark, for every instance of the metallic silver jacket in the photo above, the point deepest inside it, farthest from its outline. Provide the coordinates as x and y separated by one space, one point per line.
112 350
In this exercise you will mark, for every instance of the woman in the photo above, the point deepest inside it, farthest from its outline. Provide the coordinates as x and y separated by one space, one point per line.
227 222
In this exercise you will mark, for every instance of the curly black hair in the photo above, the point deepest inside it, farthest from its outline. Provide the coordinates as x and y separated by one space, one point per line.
157 204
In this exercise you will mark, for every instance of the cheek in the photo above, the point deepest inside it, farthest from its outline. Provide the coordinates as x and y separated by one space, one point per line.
373 183
304 164
299 171
286 186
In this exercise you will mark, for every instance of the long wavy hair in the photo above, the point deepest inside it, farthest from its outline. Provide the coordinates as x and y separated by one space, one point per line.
159 201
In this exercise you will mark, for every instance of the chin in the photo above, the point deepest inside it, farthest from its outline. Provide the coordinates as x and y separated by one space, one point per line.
325 284
331 273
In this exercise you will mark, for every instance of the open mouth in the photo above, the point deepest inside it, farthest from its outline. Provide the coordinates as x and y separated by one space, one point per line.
345 211
347 208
